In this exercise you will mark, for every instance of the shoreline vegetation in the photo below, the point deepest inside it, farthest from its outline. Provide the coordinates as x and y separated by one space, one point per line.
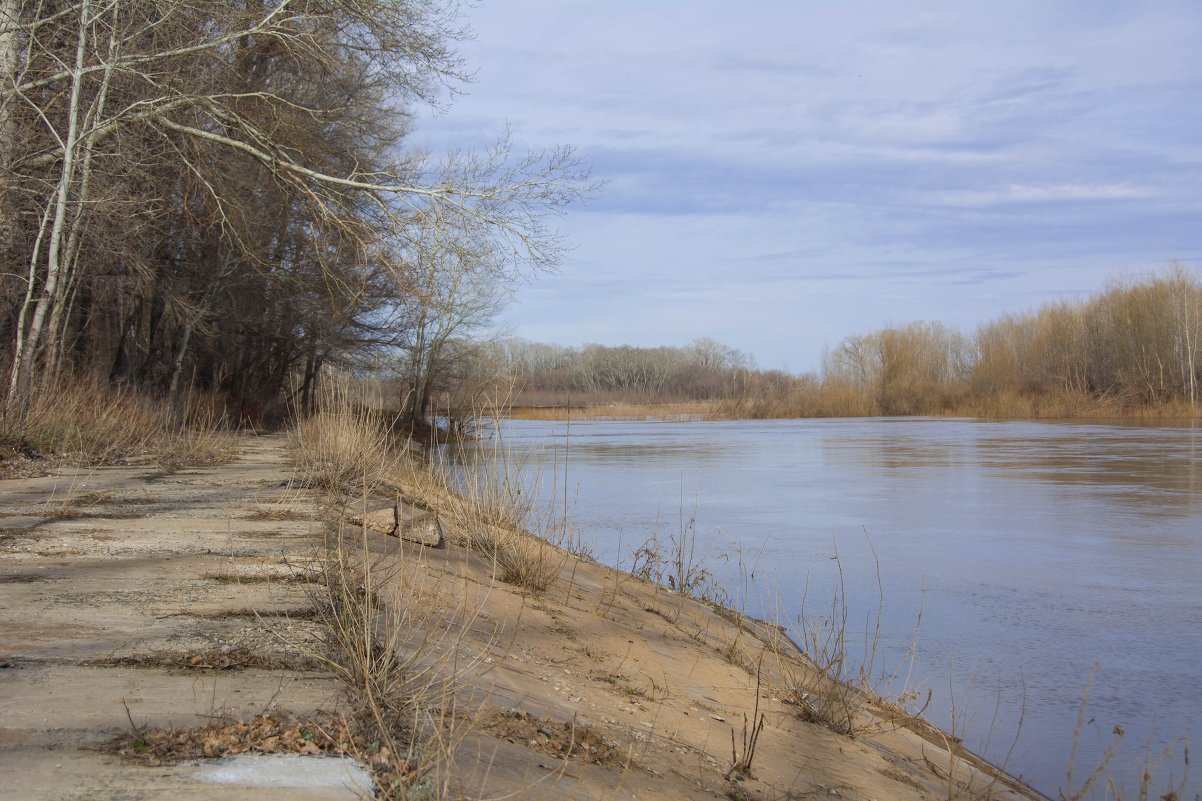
1068 409
1133 351
683 657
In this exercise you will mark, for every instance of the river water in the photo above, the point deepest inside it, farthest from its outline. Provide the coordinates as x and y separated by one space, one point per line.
1025 560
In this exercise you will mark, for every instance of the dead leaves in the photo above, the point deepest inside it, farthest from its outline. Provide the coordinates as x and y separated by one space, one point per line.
262 734
266 734
226 658
560 739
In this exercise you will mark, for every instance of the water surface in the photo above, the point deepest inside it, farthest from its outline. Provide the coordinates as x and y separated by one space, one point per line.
1038 555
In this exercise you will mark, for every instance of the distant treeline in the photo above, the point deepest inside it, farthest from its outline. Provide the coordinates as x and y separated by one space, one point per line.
1134 348
553 375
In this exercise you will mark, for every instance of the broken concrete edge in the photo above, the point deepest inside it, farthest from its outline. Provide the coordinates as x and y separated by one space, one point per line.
422 528
382 521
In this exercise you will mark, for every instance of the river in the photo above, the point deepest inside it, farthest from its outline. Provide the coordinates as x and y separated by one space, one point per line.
1026 560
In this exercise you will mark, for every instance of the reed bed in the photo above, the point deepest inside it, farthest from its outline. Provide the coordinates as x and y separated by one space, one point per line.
844 401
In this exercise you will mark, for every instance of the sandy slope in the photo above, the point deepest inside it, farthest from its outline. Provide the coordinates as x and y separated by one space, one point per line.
115 581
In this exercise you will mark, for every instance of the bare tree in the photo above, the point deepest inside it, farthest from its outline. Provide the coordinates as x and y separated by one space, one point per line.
255 145
9 55
458 287
857 359
1185 303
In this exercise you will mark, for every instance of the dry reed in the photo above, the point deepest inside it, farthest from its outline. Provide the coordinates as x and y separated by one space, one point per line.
495 511
95 421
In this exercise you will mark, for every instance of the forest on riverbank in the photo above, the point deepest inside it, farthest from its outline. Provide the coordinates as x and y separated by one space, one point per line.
223 200
1132 349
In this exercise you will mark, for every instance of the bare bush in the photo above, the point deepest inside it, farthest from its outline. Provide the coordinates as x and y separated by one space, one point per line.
398 642
676 564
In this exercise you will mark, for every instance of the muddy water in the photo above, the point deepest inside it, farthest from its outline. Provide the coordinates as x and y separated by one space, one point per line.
1032 558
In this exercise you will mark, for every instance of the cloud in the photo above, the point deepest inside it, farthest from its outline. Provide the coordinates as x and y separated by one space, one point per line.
786 174
1046 193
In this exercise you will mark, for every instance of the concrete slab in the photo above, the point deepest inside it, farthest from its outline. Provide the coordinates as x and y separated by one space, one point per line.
107 564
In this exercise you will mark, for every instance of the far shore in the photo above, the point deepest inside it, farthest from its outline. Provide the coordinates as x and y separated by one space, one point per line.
731 410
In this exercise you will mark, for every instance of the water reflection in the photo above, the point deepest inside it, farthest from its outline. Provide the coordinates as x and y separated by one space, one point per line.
665 453
1154 472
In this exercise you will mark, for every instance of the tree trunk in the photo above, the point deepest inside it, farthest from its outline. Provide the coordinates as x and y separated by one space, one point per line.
10 45
179 359
306 392
23 360
418 370
66 289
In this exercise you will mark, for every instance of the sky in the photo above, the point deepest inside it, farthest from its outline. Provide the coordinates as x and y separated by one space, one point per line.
784 174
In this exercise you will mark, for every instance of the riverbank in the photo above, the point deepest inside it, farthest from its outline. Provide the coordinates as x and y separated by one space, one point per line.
154 618
699 410
1001 409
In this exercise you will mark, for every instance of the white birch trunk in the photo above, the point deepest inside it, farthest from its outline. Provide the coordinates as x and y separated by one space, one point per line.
60 306
10 46
20 380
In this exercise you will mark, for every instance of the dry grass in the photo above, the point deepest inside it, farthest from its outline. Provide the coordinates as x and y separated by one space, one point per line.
833 397
526 562
97 422
350 452
398 643
964 774
836 400
676 563
1107 779
494 513
826 681
398 637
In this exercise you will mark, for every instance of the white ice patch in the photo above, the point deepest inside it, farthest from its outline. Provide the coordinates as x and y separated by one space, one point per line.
287 770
